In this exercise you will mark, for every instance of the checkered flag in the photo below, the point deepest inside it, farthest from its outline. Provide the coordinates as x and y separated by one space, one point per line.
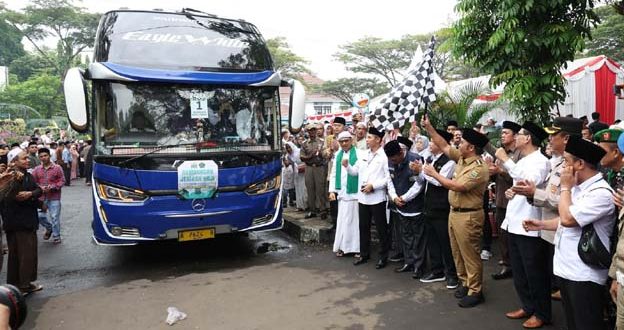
402 103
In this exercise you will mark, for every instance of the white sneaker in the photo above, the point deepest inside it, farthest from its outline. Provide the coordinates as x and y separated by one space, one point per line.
486 255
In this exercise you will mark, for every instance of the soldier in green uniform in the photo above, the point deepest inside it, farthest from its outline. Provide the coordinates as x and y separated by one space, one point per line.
607 139
466 218
613 160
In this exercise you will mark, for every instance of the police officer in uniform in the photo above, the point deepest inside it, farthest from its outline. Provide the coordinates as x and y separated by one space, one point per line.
466 217
315 174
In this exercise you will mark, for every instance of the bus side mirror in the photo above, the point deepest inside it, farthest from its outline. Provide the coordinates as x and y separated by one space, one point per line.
296 112
76 99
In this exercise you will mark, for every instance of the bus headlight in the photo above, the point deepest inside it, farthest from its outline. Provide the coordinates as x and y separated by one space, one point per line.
265 186
116 194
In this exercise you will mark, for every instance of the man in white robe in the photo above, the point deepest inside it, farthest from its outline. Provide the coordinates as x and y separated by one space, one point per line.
344 188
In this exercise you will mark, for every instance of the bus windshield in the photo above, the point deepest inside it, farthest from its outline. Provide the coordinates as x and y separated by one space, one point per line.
134 118
180 42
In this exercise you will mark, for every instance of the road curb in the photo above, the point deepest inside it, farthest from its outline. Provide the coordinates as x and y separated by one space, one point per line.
313 230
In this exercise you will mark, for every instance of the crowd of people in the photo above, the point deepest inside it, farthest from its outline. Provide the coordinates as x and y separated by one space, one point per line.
32 176
553 193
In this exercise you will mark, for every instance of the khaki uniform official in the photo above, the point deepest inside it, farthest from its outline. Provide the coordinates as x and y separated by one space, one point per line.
466 219
315 174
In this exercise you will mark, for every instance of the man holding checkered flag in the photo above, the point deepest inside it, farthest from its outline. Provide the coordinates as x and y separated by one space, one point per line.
402 103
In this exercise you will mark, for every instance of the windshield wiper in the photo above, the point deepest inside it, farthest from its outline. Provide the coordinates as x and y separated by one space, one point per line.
198 146
163 147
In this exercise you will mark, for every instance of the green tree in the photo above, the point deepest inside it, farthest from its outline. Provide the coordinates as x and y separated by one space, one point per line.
459 105
345 88
72 26
387 60
10 44
32 64
285 60
524 44
608 37
40 93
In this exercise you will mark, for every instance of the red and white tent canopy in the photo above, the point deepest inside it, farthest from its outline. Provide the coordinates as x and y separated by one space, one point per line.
330 117
590 88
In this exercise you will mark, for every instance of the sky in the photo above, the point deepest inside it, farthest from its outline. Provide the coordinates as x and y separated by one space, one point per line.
313 29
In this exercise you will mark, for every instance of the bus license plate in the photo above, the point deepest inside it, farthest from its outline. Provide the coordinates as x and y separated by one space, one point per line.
194 235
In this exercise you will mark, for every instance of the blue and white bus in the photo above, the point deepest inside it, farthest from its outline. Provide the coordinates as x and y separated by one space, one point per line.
184 111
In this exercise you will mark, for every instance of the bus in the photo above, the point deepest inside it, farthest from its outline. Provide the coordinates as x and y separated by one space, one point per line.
184 113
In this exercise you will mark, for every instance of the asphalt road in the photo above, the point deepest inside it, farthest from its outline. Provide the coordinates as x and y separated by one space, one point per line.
264 281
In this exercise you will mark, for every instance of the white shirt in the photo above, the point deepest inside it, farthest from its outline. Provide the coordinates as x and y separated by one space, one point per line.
244 125
446 171
342 194
589 205
533 167
372 168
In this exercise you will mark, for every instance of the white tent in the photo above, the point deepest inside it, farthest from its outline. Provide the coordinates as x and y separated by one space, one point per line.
589 88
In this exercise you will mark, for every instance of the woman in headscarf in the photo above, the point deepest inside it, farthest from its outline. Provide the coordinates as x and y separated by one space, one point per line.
301 196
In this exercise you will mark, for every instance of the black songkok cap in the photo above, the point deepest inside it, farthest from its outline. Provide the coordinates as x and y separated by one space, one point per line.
512 126
585 150
445 135
451 123
340 120
392 148
374 131
475 138
405 141
537 131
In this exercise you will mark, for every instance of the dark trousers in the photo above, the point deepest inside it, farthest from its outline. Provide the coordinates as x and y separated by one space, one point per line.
503 238
583 303
288 194
413 239
395 234
439 245
333 212
529 261
22 263
81 169
554 279
377 212
67 173
486 239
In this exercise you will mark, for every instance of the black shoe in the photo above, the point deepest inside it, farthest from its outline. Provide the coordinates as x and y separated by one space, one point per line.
452 283
360 260
461 292
432 277
381 263
417 274
471 300
323 216
310 215
405 268
503 274
396 258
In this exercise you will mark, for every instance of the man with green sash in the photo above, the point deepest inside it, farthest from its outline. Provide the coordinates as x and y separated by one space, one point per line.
344 188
